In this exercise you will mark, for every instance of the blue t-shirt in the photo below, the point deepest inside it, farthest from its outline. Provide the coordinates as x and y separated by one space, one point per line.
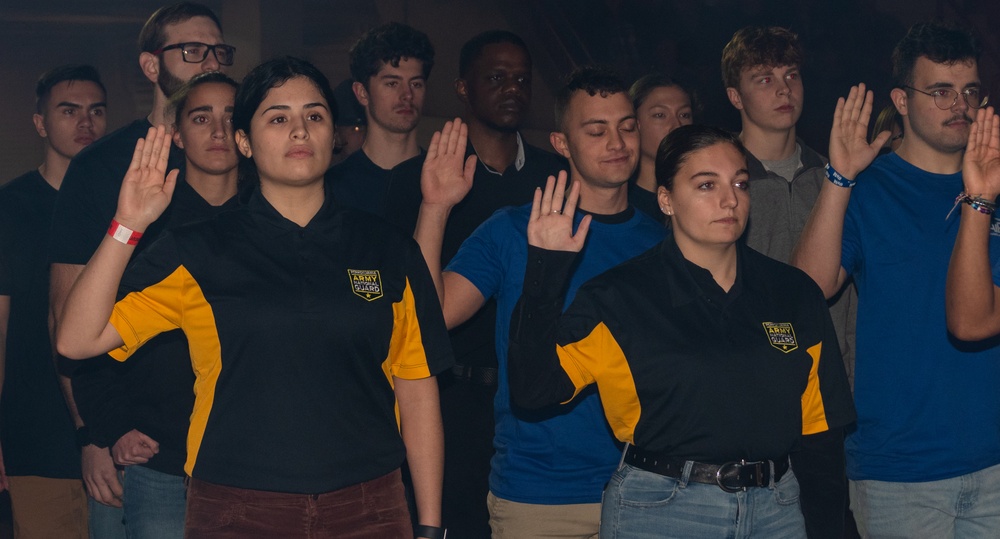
928 405
563 455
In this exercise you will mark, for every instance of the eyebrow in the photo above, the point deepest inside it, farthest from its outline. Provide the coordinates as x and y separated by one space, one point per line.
204 108
938 85
288 107
712 174
599 121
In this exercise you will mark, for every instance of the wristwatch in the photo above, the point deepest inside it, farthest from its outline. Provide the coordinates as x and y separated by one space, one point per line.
430 532
83 437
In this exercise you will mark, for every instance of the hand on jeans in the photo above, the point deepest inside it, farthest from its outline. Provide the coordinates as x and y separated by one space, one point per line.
100 475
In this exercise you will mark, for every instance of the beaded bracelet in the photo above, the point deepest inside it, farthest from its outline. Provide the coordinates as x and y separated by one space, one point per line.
978 203
837 179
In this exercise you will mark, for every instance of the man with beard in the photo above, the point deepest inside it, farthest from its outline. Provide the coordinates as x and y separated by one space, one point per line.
176 43
494 85
924 459
390 65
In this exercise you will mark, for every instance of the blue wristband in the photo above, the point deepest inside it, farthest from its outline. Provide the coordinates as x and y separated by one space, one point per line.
837 179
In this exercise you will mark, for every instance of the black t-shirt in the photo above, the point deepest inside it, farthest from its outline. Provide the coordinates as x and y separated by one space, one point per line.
646 202
473 341
36 430
359 183
89 193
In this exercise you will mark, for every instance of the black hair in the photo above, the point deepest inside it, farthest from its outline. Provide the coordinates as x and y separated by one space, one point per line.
682 142
939 42
759 46
388 44
179 99
153 35
645 85
591 79
254 89
473 48
72 72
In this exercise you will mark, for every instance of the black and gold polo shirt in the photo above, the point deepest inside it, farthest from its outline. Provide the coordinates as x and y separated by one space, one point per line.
296 334
683 367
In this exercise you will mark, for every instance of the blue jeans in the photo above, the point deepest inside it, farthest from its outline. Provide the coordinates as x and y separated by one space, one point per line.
105 522
967 506
154 504
640 505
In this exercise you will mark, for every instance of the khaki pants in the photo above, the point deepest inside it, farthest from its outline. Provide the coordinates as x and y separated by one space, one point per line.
43 507
513 520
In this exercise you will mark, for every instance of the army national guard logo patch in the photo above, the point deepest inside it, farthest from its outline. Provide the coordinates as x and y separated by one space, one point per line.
781 335
366 283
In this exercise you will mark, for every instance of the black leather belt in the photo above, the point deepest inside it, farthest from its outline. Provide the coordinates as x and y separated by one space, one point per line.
731 477
485 376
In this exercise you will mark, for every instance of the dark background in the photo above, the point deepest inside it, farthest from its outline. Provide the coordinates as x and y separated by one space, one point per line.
846 41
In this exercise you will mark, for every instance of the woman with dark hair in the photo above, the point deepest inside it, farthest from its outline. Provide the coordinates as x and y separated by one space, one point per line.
315 332
661 105
711 359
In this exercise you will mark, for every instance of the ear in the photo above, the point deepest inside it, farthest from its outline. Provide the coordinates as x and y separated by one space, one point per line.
149 63
559 144
243 143
39 122
898 96
734 97
360 93
663 199
462 90
177 139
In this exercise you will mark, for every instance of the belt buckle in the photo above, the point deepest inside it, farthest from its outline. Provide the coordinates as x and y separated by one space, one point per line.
720 472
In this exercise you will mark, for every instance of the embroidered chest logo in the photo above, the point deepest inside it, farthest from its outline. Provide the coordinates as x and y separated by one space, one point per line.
781 335
366 284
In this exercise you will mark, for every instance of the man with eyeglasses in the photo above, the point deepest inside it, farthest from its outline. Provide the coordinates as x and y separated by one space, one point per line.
178 42
924 458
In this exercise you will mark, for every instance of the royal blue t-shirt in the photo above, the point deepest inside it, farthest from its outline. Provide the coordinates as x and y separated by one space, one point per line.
566 454
928 405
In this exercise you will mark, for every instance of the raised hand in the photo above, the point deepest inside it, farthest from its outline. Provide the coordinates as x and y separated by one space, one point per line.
981 164
444 180
550 225
147 188
850 151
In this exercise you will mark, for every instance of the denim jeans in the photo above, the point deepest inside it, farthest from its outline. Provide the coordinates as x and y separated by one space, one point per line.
967 506
105 522
640 505
154 504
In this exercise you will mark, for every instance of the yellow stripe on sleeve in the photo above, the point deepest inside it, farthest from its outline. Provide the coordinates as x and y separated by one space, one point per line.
813 412
176 302
598 358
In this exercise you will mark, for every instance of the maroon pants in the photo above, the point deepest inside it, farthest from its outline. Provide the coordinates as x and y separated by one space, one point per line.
373 509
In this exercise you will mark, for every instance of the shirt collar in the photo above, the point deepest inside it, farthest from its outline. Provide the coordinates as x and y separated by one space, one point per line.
518 161
689 281
276 224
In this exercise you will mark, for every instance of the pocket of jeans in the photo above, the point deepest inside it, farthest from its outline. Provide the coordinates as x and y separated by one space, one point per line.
786 491
640 488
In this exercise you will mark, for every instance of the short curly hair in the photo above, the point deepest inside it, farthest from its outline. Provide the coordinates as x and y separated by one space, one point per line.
388 44
759 46
591 79
939 42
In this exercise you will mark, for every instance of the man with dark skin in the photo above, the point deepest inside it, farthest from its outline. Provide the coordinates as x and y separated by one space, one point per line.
494 85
